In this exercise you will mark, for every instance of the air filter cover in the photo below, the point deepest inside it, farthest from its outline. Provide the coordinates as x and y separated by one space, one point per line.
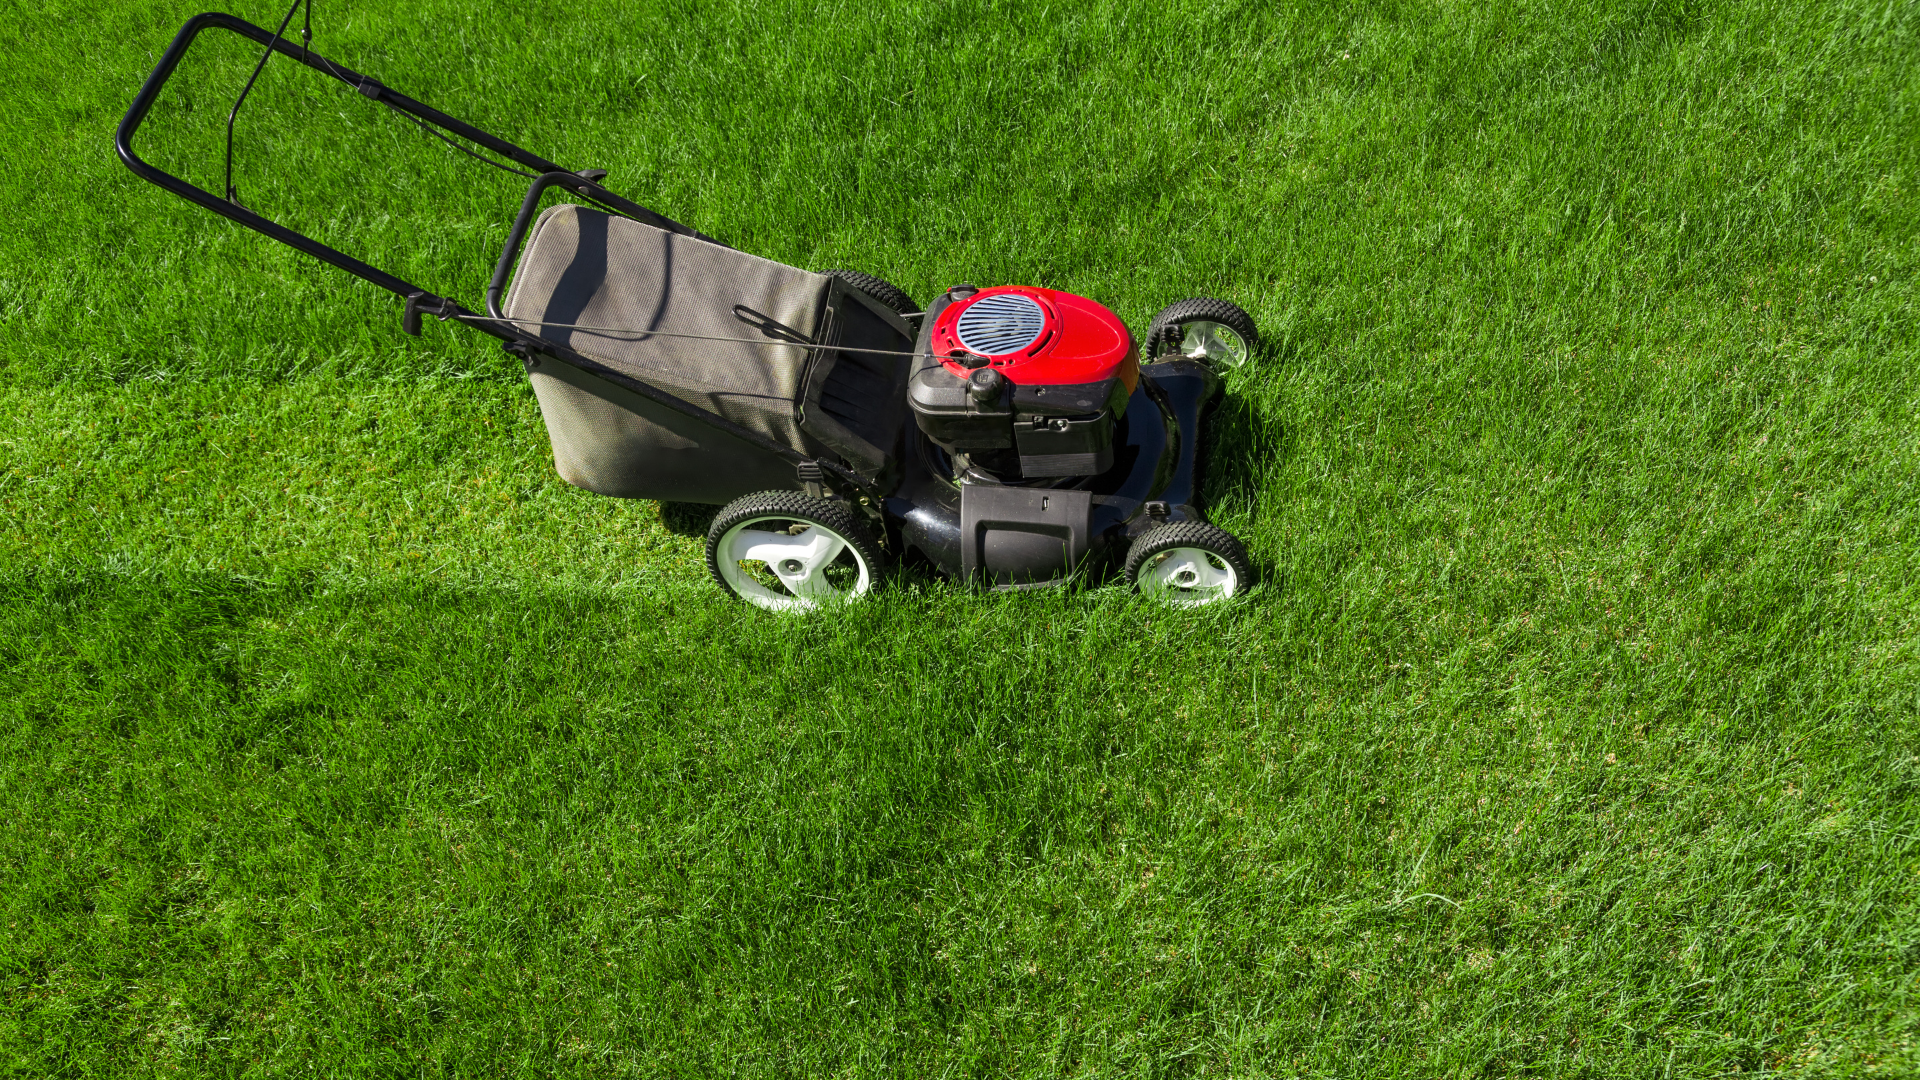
1001 325
1035 337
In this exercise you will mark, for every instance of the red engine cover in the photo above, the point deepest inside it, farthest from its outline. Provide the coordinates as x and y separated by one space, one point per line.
1038 337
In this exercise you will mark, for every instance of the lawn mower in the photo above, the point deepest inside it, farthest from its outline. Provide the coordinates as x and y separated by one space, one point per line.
1014 437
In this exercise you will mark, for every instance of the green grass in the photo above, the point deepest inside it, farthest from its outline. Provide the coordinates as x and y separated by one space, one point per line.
1574 730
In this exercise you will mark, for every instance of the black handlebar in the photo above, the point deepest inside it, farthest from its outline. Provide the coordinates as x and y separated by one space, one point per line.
150 91
419 301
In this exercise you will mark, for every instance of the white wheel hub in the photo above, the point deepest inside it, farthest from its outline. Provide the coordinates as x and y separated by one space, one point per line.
1188 577
807 563
1214 343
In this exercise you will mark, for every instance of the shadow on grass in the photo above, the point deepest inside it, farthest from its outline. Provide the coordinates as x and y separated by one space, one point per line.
1242 445
687 519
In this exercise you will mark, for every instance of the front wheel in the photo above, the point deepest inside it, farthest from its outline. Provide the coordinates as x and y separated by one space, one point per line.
785 551
1205 329
1189 564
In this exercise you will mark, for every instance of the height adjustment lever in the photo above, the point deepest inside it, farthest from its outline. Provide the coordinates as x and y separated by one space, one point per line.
812 478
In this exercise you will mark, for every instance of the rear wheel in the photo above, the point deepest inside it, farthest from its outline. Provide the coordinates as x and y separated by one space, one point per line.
785 551
1204 329
880 289
1189 564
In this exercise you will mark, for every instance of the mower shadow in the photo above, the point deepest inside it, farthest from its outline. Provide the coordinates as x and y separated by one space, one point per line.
1241 444
1244 444
688 519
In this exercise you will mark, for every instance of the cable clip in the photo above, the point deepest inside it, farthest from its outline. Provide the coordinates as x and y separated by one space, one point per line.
441 307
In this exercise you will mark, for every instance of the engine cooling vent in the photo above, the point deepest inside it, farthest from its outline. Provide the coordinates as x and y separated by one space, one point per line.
1000 324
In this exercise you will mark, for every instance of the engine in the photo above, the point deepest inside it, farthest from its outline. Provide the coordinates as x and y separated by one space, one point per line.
1028 383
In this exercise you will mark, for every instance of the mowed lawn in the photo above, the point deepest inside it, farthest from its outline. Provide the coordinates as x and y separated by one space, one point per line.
1573 730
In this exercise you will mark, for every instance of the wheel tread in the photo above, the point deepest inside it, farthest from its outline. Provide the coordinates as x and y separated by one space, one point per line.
1202 307
1196 534
801 507
879 288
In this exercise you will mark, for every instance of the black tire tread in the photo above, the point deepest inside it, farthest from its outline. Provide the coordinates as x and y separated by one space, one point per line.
800 507
1196 534
1201 307
879 288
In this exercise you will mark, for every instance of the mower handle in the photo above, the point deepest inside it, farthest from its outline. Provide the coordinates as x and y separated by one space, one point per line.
419 301
150 91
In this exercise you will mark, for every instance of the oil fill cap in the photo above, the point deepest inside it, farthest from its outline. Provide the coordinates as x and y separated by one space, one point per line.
985 385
